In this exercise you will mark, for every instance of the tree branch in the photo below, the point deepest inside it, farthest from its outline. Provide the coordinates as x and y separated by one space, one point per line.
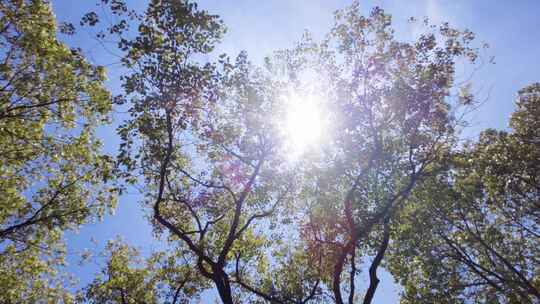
373 279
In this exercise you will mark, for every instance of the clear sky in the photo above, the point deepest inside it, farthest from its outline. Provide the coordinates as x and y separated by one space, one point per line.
510 27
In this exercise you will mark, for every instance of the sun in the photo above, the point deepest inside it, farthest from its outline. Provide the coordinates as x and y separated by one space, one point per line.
304 123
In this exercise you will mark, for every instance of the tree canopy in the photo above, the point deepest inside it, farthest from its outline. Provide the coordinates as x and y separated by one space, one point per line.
52 175
239 206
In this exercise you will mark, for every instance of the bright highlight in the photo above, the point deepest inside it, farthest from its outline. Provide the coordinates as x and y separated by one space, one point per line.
304 123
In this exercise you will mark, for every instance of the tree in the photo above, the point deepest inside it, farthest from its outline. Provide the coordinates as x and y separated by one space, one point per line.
476 237
129 278
200 139
52 174
393 126
203 161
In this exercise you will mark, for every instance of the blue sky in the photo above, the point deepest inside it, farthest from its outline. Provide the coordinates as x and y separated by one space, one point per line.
260 27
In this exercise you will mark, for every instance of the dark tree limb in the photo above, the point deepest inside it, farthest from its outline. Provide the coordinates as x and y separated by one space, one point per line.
352 277
373 279
237 213
37 218
178 290
362 231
